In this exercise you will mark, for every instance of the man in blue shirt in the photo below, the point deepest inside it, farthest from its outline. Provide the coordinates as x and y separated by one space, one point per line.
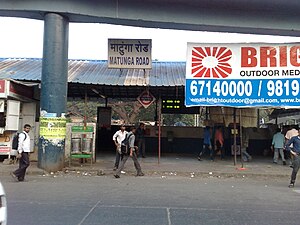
296 153
206 144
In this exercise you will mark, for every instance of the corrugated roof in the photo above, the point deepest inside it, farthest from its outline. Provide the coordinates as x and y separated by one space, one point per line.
96 73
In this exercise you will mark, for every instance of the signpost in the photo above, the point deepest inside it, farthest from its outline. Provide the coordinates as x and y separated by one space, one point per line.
146 99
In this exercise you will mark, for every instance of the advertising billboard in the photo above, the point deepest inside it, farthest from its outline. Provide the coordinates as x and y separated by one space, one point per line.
243 75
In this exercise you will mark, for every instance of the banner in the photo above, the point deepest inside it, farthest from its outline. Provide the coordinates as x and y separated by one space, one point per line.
243 75
53 128
3 88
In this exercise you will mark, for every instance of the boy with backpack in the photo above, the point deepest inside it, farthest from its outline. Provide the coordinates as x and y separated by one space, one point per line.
129 151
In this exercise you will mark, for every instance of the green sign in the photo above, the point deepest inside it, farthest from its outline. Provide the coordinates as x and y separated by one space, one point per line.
82 129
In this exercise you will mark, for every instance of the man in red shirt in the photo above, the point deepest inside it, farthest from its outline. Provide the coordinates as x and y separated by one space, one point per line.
219 141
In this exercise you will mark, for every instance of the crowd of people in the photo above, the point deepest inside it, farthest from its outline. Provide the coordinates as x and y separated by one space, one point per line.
287 146
213 143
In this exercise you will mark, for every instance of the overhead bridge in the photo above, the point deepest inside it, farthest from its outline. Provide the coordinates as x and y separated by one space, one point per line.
275 17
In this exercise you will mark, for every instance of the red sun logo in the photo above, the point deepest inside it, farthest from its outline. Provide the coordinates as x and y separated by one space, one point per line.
211 62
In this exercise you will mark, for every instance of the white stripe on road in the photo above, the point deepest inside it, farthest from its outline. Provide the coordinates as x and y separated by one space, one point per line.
173 208
169 216
193 208
86 216
297 191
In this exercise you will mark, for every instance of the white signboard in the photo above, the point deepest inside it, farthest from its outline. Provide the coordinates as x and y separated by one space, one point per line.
12 115
243 75
129 53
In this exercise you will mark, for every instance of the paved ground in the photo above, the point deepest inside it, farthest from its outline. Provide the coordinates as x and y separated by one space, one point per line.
179 190
151 200
174 165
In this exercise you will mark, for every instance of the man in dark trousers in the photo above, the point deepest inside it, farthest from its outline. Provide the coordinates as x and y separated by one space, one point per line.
206 144
132 154
118 137
296 159
140 139
23 154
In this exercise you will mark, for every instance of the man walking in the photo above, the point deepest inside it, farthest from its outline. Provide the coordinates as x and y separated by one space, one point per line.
132 154
244 145
23 154
219 142
289 134
140 139
277 145
296 156
206 144
118 137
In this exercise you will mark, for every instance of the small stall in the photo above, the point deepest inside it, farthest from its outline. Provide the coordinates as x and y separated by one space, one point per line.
17 107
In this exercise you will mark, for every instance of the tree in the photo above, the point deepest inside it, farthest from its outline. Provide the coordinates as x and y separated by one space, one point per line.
171 119
79 107
129 110
126 110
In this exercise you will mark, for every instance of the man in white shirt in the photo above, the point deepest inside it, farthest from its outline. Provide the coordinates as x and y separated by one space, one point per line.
288 136
132 154
23 154
291 133
118 137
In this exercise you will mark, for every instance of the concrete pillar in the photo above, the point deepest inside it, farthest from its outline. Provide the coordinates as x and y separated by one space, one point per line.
53 88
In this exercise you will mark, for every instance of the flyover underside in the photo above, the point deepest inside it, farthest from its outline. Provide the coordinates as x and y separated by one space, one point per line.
257 17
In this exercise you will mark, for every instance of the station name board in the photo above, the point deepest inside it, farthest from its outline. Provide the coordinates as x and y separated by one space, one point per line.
129 53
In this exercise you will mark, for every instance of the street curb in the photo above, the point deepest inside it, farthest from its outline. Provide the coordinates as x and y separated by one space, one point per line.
104 169
152 173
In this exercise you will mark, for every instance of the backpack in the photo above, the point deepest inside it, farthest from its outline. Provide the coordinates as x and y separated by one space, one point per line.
15 141
125 144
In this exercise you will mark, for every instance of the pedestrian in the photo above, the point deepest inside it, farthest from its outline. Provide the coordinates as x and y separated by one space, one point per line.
219 142
244 146
132 154
277 146
23 154
140 139
118 137
292 132
295 151
207 147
